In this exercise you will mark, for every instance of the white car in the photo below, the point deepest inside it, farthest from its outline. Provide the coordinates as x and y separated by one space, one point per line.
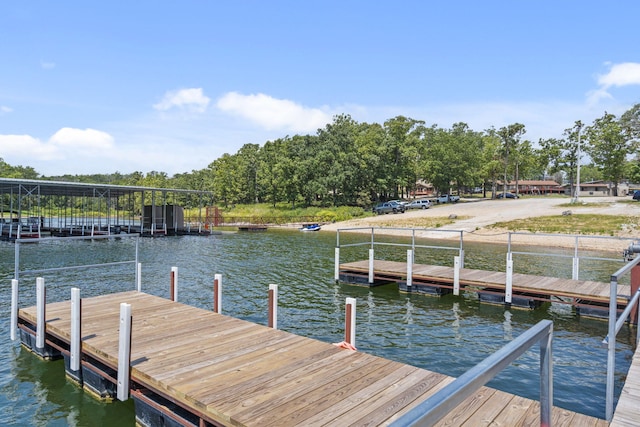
419 204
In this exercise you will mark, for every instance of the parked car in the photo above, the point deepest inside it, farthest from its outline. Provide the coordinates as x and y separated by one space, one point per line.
388 207
419 204
448 198
636 195
507 195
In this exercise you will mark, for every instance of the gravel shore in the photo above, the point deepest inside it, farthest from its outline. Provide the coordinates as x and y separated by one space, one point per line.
475 217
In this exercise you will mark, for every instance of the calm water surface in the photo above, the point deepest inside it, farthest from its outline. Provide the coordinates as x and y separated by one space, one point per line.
447 335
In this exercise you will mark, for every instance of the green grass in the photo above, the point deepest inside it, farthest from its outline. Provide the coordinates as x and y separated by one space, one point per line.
283 213
588 224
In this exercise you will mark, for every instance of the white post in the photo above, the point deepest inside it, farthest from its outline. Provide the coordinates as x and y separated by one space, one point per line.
273 306
217 293
139 278
409 269
456 275
336 271
370 265
41 302
124 351
576 269
76 330
509 284
350 322
14 309
174 272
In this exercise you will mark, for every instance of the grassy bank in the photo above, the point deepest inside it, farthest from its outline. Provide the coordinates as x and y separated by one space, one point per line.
588 224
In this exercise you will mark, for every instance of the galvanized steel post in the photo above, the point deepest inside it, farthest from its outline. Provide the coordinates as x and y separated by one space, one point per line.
14 309
75 353
124 352
273 306
41 304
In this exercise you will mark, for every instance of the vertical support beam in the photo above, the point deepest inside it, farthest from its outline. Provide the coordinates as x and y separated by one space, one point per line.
509 281
546 378
273 306
174 283
461 258
575 272
370 265
217 293
139 277
635 285
456 275
124 352
611 348
41 307
350 322
14 309
336 268
76 330
409 269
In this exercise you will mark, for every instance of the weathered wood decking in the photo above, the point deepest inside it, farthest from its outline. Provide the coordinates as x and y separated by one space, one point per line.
527 284
627 413
232 372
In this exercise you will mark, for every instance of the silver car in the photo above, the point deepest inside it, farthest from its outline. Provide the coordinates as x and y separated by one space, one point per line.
419 204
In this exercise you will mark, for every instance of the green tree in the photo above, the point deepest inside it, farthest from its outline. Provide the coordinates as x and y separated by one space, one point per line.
510 138
609 148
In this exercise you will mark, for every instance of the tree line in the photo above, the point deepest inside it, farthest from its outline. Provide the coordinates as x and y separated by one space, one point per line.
357 164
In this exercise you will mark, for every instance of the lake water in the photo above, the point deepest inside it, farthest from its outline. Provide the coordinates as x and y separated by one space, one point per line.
447 335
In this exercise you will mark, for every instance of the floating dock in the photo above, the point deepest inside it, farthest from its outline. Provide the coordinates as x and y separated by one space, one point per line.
589 297
191 366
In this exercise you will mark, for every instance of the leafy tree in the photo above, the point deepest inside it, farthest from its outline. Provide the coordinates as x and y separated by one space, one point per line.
609 148
510 138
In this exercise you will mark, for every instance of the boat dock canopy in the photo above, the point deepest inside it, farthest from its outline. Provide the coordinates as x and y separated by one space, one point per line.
31 208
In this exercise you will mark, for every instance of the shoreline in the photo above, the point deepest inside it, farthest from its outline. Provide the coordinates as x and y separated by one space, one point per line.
477 216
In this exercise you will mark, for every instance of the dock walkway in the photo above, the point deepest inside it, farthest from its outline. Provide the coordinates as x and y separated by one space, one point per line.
223 371
627 413
579 292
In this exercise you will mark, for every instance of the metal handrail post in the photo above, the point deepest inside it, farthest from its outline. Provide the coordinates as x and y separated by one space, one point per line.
611 355
436 407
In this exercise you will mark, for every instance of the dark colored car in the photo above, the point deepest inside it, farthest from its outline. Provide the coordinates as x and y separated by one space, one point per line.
507 195
636 195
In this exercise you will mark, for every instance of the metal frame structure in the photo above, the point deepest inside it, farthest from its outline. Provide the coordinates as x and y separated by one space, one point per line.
29 208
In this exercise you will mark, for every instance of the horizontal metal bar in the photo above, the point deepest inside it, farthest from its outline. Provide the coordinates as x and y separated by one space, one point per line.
623 317
355 244
76 267
516 233
440 404
542 254
625 269
58 239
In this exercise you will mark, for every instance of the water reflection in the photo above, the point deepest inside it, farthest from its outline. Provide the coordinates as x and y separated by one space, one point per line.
448 334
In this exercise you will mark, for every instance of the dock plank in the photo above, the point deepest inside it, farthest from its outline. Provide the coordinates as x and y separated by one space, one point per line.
542 285
233 372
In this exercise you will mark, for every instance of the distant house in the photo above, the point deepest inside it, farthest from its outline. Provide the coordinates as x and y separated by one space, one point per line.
597 188
532 187
422 189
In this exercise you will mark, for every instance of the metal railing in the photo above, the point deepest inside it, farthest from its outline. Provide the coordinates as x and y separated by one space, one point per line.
372 240
18 242
576 254
614 328
448 398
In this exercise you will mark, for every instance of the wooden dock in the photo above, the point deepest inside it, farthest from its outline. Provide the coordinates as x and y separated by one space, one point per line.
627 413
580 293
198 367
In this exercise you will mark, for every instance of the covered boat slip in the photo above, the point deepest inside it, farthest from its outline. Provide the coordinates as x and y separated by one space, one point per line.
197 367
38 208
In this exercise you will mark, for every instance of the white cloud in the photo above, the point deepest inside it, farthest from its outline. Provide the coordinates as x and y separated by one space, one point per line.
624 74
47 65
75 147
274 114
5 110
24 148
192 100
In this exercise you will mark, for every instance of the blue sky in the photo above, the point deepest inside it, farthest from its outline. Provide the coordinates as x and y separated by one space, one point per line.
100 87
